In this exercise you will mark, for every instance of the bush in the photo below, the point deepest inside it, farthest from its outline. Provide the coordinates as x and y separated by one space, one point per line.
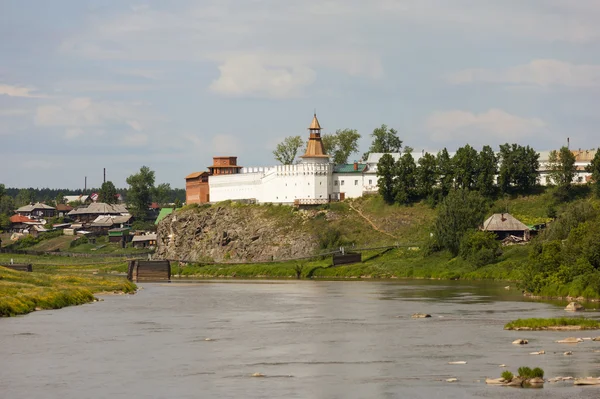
537 372
525 372
79 241
507 375
479 247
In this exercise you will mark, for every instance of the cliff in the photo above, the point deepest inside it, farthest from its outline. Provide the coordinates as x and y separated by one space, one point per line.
236 233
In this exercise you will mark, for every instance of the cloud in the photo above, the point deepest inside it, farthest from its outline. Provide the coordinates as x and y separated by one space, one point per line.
135 125
248 76
225 144
84 112
542 72
135 140
16 91
495 123
14 112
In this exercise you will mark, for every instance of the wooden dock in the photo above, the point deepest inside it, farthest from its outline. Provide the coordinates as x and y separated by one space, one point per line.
20 267
149 271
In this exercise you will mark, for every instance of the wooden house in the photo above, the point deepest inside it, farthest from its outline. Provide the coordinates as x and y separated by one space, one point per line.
505 225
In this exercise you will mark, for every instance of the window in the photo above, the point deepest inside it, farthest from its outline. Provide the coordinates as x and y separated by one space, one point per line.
370 182
342 183
356 182
335 183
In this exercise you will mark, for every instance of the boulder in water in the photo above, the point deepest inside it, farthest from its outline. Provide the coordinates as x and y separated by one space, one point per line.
570 340
520 342
574 307
420 315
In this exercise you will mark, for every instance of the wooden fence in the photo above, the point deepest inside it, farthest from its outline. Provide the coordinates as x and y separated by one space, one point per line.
149 270
346 259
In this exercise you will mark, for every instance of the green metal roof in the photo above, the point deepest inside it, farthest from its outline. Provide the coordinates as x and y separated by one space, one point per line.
164 212
349 168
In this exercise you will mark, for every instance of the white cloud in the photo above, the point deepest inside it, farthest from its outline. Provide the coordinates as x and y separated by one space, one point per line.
542 72
14 112
135 125
225 144
135 140
84 112
247 76
72 133
495 123
16 91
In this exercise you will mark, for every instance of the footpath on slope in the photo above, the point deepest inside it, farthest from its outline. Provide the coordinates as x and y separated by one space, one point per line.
370 221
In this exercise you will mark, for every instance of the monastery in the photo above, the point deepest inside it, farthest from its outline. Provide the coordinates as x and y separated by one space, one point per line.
313 181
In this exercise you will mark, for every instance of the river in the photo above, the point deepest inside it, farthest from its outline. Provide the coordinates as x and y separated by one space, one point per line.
311 339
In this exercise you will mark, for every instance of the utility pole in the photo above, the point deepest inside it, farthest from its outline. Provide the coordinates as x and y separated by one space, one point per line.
104 175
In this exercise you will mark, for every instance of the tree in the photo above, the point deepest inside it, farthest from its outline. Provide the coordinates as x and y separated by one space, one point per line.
445 171
594 169
385 177
341 144
107 193
487 171
2 191
286 151
479 247
426 175
518 168
465 167
385 140
562 167
60 198
177 203
25 197
140 190
7 205
162 194
405 181
460 211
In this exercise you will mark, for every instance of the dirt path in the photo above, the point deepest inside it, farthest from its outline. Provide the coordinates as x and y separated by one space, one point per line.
370 221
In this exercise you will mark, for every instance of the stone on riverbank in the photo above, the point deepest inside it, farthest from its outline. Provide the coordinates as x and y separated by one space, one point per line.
587 381
420 315
495 381
570 340
574 307
520 342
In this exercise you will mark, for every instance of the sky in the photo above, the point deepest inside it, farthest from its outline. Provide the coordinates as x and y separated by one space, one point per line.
118 84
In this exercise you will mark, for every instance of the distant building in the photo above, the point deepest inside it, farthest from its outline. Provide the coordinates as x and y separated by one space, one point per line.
196 188
89 213
582 159
37 211
504 225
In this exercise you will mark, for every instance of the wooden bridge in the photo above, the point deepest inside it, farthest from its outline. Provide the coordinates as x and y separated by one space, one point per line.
149 270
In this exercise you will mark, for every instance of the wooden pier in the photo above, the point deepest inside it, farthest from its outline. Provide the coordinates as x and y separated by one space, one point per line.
149 271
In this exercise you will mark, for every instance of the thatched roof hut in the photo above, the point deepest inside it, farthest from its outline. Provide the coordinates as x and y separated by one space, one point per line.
504 225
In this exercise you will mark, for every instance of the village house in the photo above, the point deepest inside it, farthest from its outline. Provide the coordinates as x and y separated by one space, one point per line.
89 213
37 211
505 225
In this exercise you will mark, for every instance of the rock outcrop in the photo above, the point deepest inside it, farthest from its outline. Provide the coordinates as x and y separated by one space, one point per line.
232 233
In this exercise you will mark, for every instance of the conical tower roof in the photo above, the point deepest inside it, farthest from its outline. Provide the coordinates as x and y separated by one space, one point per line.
315 148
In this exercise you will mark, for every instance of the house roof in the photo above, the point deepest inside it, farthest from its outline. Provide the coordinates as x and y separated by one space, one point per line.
164 212
195 175
503 222
109 220
63 207
37 205
20 219
147 237
99 208
349 168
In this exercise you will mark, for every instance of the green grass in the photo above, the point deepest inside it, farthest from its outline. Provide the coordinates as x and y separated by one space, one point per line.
542 324
22 292
58 264
507 375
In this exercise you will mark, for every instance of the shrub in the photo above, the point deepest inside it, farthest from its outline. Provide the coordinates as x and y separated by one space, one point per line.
479 247
537 372
507 375
79 241
525 372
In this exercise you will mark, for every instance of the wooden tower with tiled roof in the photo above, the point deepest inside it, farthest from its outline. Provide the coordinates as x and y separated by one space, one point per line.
315 148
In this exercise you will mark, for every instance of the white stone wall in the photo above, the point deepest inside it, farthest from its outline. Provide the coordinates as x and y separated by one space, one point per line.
354 185
279 184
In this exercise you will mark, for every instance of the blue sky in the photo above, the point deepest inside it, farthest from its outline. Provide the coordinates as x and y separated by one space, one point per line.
86 85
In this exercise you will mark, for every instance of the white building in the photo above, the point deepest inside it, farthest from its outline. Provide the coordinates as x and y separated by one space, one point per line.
582 159
315 180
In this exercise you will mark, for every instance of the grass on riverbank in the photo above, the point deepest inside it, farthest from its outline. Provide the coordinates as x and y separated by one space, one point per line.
22 292
395 263
545 324
68 265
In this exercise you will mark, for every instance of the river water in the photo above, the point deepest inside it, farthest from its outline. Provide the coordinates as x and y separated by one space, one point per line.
311 339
